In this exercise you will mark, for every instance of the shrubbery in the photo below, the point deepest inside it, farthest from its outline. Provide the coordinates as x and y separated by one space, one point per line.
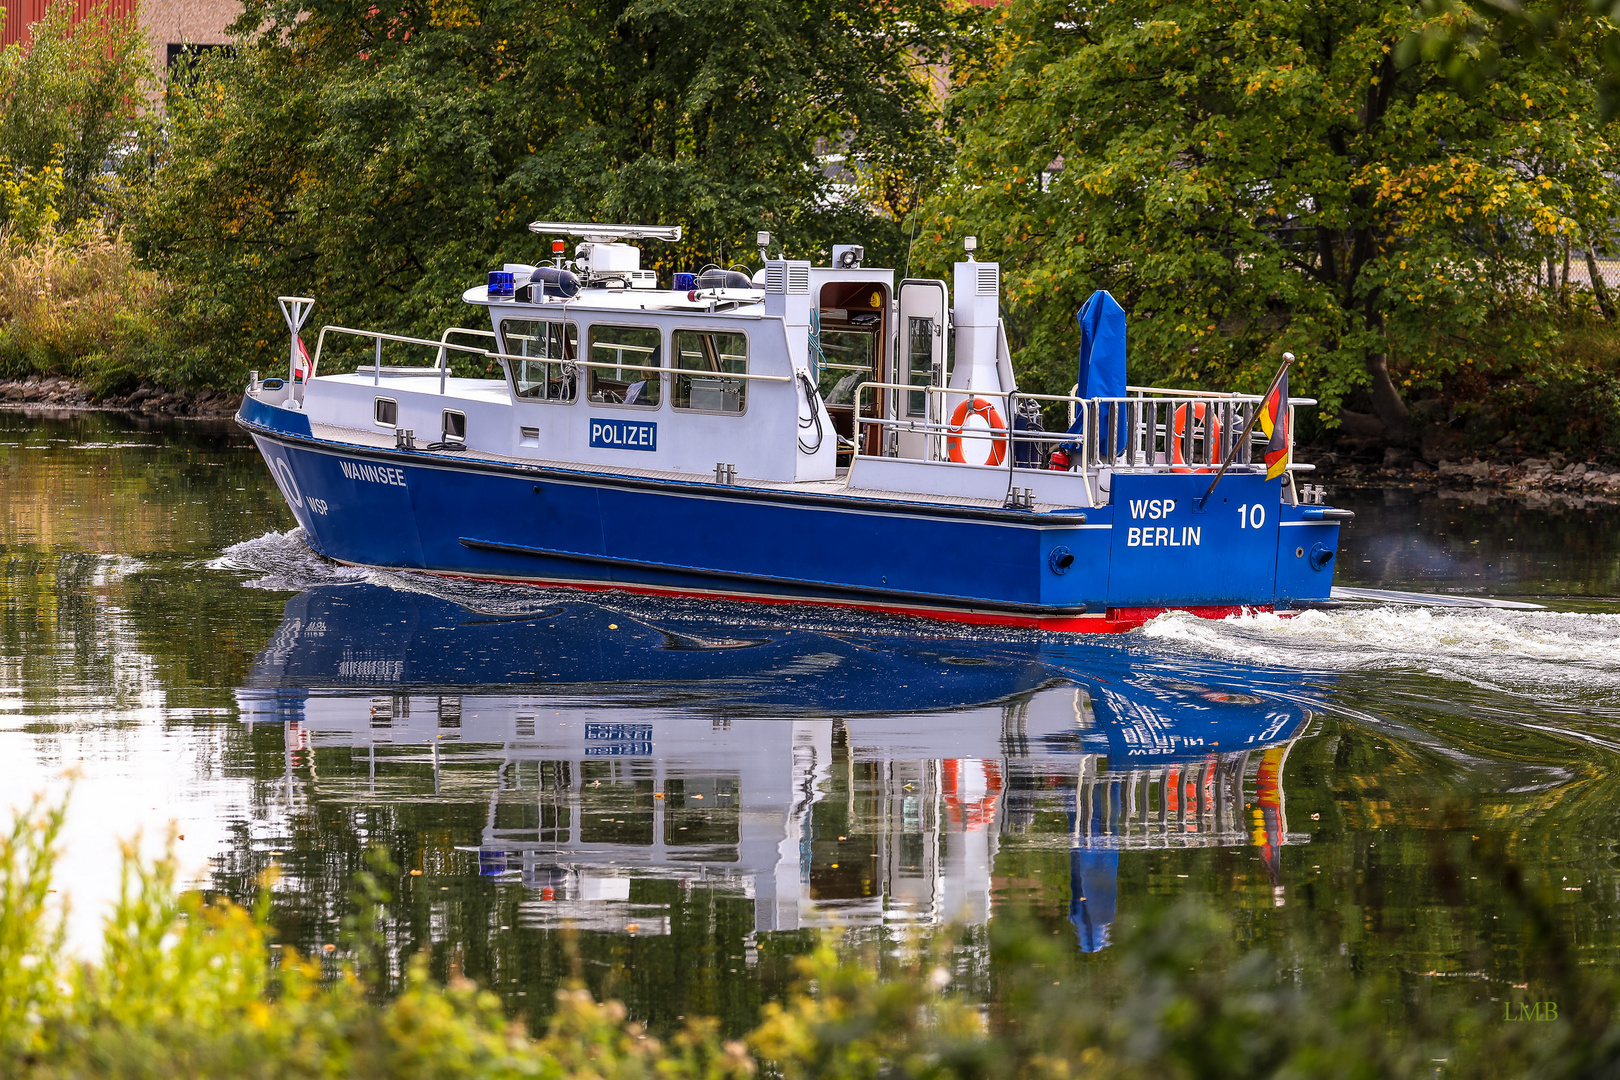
73 300
78 305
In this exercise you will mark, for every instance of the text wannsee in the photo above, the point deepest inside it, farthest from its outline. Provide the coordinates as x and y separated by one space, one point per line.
377 474
1530 1010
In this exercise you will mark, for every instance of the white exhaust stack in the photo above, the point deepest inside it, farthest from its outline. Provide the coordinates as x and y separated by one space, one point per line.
978 322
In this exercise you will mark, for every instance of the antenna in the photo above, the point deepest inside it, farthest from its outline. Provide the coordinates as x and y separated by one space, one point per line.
607 234
296 310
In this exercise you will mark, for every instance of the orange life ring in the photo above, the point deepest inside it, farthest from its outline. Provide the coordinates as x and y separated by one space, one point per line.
1202 414
986 411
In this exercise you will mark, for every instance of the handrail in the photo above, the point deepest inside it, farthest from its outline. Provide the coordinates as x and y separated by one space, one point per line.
1190 395
444 338
444 344
1139 390
1147 437
320 342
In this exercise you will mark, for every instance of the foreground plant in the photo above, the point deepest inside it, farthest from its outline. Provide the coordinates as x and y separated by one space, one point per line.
185 987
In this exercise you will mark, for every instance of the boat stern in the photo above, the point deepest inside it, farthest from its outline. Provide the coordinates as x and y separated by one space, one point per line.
1175 544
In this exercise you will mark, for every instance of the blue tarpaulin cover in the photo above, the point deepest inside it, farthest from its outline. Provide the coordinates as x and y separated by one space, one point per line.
1102 357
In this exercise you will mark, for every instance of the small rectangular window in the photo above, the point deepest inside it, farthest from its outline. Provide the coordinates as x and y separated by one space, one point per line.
455 426
703 362
546 352
386 411
919 362
633 358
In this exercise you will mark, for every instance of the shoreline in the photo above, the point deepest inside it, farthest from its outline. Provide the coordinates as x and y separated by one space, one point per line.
1536 481
60 392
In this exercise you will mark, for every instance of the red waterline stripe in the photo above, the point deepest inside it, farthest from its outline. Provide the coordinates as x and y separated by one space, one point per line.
1115 621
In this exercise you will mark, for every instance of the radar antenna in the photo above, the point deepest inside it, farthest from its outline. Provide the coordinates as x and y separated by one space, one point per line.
607 234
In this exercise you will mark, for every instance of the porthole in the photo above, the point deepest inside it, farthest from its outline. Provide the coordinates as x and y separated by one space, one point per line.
454 426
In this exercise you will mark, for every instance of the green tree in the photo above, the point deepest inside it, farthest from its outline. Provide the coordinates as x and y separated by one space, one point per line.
382 159
70 110
1469 38
1254 177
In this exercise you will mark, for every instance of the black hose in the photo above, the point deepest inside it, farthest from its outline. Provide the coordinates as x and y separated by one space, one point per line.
810 399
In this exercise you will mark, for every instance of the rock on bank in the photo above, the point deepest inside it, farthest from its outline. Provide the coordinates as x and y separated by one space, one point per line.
61 393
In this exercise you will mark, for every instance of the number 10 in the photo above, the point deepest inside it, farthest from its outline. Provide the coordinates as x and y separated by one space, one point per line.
1251 517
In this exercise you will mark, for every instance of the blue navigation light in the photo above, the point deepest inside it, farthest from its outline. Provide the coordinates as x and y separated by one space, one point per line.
685 282
501 286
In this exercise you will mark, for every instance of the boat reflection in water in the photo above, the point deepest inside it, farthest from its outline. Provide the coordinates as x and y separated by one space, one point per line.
852 775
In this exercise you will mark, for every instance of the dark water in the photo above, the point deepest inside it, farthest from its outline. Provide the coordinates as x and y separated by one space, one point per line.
673 799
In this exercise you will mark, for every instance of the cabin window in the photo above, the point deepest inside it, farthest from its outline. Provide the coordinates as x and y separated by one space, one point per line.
454 426
545 351
850 355
385 411
919 362
630 359
704 362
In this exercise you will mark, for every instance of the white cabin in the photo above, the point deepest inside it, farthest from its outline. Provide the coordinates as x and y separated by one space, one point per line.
793 374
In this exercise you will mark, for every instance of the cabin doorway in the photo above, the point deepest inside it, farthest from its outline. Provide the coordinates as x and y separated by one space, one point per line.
852 320
923 360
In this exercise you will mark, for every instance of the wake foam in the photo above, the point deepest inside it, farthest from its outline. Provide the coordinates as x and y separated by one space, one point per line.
1519 651
285 563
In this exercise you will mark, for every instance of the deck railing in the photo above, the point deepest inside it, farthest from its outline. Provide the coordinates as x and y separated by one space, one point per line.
1149 429
444 347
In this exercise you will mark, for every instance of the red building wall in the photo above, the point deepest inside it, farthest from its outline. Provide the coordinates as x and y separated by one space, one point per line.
21 14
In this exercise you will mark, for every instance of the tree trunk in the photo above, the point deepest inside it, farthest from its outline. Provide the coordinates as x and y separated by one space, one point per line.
1563 289
1387 404
1600 288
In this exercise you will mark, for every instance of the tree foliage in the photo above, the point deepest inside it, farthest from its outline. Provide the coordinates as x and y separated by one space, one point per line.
70 116
1470 38
381 158
1260 176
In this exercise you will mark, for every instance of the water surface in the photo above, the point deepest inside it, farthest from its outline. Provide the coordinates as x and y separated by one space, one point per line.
671 799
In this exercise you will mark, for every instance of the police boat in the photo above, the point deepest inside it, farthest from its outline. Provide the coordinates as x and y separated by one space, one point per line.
799 434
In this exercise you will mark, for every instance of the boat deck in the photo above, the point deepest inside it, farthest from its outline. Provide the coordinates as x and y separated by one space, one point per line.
378 440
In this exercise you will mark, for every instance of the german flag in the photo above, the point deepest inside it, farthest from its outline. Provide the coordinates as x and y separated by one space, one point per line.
1273 420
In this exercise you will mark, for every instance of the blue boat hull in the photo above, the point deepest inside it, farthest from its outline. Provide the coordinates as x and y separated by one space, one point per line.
1103 568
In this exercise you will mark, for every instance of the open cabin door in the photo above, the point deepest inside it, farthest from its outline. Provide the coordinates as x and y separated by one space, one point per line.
920 359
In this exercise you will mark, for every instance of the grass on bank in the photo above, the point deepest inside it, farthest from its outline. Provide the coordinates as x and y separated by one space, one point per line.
79 305
185 987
